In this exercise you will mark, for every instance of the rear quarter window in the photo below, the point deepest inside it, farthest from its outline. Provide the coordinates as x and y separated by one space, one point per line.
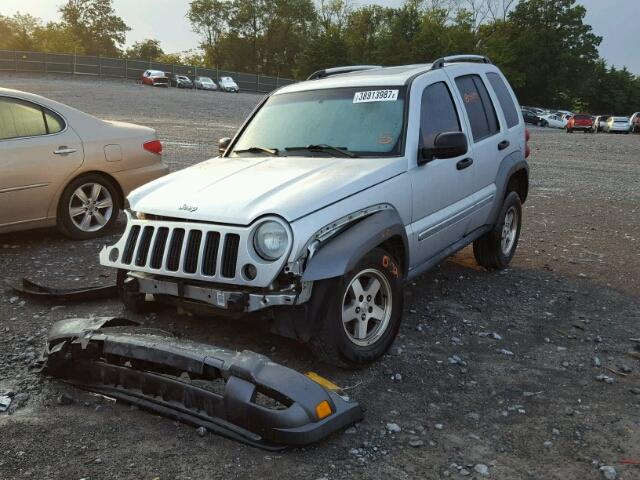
504 98
478 105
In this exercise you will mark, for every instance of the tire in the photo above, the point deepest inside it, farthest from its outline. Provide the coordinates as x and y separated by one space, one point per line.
492 250
356 343
134 302
544 123
569 130
100 218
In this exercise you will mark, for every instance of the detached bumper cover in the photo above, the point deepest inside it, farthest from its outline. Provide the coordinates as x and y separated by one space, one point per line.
241 395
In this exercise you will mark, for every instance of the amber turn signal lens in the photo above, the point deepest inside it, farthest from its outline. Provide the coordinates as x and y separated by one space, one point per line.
323 410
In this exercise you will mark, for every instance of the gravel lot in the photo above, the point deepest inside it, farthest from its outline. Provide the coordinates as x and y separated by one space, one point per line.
525 403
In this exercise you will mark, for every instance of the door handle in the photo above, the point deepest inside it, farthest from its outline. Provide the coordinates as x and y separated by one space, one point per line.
503 144
64 151
462 164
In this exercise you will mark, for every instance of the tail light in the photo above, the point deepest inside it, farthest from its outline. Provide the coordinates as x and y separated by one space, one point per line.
527 150
154 146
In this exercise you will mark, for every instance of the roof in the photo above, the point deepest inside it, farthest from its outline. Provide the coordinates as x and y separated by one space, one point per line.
382 76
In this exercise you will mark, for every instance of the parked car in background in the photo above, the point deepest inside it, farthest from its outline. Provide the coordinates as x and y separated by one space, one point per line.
531 117
634 123
580 122
617 125
599 123
554 120
155 78
317 219
228 84
205 83
62 167
181 81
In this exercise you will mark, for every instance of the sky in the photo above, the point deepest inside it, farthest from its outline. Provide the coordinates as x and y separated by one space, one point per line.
616 21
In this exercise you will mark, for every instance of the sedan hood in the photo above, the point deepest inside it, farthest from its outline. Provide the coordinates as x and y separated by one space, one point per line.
239 190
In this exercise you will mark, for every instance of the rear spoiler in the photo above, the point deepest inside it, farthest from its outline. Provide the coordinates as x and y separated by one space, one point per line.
240 395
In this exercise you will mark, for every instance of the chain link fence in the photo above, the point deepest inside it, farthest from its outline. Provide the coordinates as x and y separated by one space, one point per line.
42 62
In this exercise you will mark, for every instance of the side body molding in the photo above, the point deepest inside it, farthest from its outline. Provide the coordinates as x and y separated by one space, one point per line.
342 252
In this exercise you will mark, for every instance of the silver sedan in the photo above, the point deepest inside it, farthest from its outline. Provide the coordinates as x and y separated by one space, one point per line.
60 166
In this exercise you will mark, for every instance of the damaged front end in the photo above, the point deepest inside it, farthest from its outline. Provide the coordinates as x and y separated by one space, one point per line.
241 395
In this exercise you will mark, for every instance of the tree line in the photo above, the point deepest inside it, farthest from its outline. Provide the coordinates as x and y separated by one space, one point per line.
545 48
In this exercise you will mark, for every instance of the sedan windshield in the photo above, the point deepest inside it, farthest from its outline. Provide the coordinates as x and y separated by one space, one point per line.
366 121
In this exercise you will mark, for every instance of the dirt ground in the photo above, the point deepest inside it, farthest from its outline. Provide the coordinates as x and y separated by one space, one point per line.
527 405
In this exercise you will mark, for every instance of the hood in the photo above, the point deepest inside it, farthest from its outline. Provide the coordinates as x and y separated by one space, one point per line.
239 190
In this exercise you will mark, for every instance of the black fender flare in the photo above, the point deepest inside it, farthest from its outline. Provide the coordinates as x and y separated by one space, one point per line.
509 166
341 253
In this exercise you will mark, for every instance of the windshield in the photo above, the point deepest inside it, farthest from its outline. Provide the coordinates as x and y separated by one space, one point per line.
367 121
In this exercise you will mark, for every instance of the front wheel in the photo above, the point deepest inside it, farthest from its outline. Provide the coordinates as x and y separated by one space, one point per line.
359 314
495 249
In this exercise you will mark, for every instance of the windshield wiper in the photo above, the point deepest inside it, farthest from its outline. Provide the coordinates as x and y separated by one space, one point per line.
271 151
324 148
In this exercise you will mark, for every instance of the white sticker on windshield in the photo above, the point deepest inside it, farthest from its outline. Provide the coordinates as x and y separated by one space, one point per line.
376 96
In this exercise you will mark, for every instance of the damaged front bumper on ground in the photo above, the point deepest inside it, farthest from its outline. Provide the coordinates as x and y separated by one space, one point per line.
241 395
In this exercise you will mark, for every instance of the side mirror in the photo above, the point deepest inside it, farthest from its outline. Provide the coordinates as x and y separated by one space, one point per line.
445 145
223 144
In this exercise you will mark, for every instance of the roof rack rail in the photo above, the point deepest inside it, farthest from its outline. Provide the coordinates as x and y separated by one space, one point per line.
439 63
327 72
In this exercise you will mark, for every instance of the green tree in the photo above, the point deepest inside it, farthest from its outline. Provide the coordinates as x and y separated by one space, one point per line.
210 19
148 49
96 24
552 49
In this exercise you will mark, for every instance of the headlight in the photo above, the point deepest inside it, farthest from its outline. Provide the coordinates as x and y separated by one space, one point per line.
271 240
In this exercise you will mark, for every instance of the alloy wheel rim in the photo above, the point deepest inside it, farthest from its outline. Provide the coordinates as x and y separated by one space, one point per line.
90 207
509 231
366 307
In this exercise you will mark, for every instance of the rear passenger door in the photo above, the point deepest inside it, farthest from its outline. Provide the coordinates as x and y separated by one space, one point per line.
494 135
442 188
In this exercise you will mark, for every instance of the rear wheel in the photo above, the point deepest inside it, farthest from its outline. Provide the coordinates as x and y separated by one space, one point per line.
495 249
358 314
88 207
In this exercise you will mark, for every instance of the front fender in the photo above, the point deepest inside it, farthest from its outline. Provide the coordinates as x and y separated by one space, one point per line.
340 254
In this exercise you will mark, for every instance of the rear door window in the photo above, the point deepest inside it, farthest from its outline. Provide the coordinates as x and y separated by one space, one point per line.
19 118
504 98
480 109
438 113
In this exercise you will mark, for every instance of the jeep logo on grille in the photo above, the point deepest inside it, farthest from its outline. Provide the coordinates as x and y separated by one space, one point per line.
188 208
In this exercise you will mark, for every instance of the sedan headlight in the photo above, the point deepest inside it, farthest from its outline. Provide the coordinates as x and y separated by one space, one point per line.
271 240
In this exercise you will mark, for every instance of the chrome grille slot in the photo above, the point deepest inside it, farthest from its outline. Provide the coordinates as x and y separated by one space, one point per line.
157 254
143 247
192 251
210 255
175 247
230 255
131 244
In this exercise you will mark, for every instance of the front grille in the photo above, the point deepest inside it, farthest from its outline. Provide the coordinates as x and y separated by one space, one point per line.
210 255
231 244
131 244
175 247
192 251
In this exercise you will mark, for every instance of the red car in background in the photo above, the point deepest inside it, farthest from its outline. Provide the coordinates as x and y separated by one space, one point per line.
580 121
155 78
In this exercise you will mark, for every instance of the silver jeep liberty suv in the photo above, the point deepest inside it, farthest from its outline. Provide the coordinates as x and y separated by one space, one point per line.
335 192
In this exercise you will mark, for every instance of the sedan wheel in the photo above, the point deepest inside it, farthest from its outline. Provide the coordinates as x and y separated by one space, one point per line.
88 207
91 207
